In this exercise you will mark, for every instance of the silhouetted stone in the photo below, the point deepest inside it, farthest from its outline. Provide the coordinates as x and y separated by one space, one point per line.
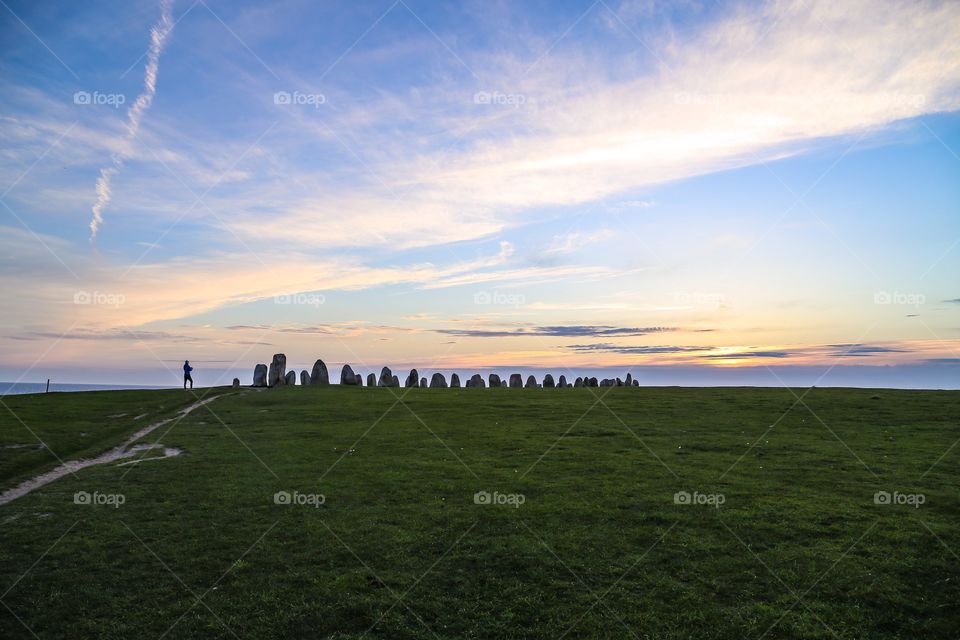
359 380
236 383
454 381
386 378
347 376
437 381
548 382
260 375
319 375
291 378
304 378
278 370
578 382
423 383
371 379
413 379
531 383
591 382
396 382
636 383
629 381
562 382
494 380
516 381
476 381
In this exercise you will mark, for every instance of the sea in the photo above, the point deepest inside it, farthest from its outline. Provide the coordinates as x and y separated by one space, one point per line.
19 388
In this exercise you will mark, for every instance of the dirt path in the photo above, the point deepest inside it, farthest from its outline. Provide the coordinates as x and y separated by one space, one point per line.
125 450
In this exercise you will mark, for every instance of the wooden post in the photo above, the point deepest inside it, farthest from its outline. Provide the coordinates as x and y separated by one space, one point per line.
48 386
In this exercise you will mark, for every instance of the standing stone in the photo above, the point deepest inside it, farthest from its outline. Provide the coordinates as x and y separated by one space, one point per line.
629 381
319 375
578 382
562 382
278 370
396 381
548 382
476 380
413 379
260 375
358 379
591 382
347 376
386 378
516 381
304 378
438 381
291 378
371 380
236 383
494 380
503 383
531 383
454 381
423 383
636 383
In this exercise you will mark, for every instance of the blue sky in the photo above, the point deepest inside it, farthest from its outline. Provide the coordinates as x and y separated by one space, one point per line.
715 186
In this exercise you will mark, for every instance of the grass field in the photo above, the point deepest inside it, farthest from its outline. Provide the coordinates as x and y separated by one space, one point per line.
582 535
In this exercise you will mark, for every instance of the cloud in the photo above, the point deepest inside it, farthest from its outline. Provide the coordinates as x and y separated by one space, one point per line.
638 350
559 331
158 38
747 354
954 301
856 349
755 85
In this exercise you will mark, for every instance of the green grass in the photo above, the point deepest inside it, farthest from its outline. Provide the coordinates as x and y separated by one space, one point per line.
399 549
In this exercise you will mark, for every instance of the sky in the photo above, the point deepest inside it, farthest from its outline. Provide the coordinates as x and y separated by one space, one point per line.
699 192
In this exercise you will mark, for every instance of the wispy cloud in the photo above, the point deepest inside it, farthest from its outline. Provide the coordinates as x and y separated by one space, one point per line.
561 332
854 350
635 350
746 354
158 38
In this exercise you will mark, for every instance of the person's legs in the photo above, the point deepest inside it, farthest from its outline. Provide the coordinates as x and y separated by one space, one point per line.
187 378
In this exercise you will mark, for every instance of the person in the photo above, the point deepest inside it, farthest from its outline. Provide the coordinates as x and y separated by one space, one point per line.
186 374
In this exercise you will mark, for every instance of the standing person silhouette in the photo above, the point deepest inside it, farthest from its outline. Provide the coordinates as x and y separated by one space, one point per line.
186 374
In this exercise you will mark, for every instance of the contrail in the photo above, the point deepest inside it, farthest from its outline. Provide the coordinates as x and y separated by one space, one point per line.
158 39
